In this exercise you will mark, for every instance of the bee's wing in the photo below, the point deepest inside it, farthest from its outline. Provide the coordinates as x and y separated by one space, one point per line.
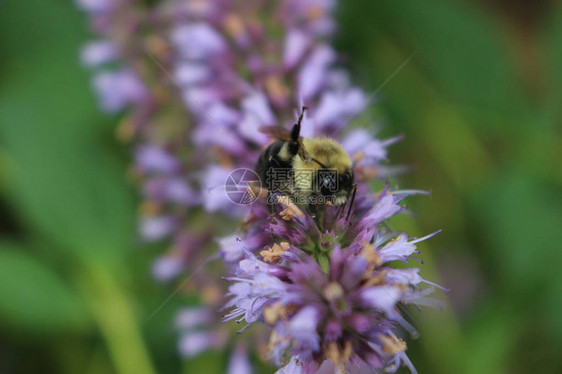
276 132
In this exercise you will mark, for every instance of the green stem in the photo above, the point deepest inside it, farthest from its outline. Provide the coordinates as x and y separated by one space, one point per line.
113 312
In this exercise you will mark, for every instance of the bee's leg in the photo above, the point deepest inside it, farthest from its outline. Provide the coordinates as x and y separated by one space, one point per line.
312 208
313 211
354 189
342 209
270 203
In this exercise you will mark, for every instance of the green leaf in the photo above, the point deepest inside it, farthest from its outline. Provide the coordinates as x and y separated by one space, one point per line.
553 58
490 341
33 297
208 362
65 180
457 45
520 218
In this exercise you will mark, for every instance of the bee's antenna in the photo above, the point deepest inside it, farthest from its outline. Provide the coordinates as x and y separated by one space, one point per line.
304 109
295 133
352 201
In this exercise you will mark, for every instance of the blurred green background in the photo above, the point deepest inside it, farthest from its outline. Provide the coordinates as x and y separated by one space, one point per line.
479 105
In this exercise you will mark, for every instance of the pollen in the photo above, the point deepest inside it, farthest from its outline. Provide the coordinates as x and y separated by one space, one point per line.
315 12
273 254
333 291
276 89
234 25
358 156
369 253
273 313
376 280
291 211
150 208
339 357
391 344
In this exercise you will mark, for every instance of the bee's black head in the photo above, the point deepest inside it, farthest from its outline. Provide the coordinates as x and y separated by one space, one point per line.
345 180
334 185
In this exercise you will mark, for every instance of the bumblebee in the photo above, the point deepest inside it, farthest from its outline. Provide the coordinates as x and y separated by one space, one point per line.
313 172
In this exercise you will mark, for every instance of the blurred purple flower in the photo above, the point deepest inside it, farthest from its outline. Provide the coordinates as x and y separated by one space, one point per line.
296 44
97 53
191 73
239 362
174 190
154 159
193 318
155 228
312 74
97 6
118 89
193 343
197 41
215 198
231 249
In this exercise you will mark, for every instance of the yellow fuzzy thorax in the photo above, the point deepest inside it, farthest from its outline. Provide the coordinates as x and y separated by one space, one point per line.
325 150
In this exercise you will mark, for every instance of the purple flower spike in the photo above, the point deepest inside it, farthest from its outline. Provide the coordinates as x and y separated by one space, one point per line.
198 80
345 312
